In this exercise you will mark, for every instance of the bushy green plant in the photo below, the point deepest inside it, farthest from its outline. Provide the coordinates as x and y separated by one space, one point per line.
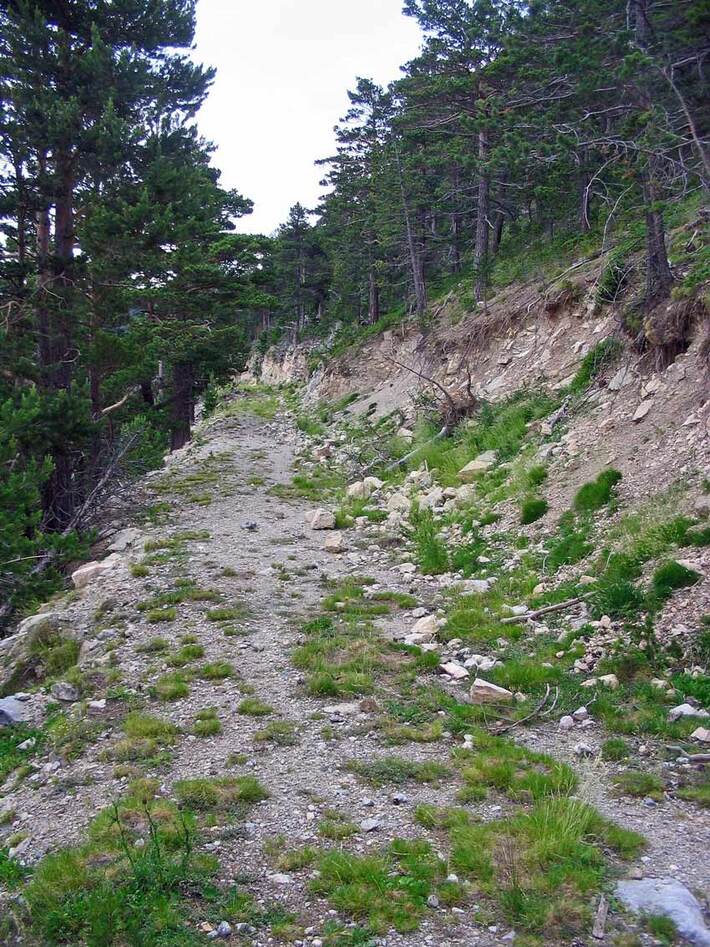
596 494
431 552
533 510
612 278
603 354
672 576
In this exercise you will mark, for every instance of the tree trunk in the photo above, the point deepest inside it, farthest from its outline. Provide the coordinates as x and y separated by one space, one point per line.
584 224
60 495
415 259
480 256
498 232
373 303
659 277
181 407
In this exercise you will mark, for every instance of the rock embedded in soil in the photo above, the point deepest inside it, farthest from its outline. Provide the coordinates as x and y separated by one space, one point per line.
11 711
483 692
477 466
669 898
335 543
64 691
320 519
91 571
686 710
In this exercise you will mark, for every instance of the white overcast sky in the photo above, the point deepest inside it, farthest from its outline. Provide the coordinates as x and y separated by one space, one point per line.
283 71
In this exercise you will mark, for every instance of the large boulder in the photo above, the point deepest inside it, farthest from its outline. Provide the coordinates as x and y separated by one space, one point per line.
398 503
335 542
432 499
465 495
125 538
320 519
423 631
91 571
670 898
474 468
18 652
360 490
483 692
11 712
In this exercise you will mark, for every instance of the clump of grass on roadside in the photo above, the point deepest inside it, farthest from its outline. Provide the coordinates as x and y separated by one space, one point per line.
280 732
640 784
254 707
228 794
394 769
533 510
172 686
541 865
206 723
598 493
385 891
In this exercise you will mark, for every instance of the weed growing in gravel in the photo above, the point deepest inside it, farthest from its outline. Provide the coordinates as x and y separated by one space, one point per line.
598 493
139 570
206 724
394 769
615 748
172 686
603 354
54 654
145 738
254 707
216 671
11 757
227 614
228 794
520 773
280 732
386 890
68 735
289 859
395 734
671 576
541 865
533 510
153 646
640 785
158 615
186 654
661 928
430 550
336 826
111 890
185 591
697 788
570 545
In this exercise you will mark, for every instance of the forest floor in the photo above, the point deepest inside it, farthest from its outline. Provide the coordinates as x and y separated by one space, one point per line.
226 524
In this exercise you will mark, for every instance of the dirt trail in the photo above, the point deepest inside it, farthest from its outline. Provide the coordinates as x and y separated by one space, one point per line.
275 566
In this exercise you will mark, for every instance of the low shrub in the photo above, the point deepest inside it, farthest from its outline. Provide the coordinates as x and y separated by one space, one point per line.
597 493
533 510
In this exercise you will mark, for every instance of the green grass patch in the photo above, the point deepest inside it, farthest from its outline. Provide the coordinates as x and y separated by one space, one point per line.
396 770
640 785
597 493
533 510
254 707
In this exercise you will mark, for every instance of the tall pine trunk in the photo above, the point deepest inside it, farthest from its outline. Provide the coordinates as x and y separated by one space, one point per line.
373 297
415 257
659 277
480 253
181 407
54 318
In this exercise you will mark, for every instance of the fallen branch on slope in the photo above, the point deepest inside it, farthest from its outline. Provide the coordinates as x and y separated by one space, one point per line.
558 607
